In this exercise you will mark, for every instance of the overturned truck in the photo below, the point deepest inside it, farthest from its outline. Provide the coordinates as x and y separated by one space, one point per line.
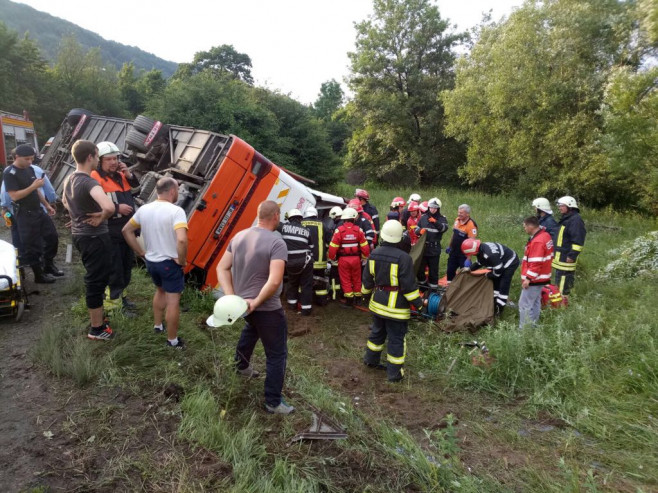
222 178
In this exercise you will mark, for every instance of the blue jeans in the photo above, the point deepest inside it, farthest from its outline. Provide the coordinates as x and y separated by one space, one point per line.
271 328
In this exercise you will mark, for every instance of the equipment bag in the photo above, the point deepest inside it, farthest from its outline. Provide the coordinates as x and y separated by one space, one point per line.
551 297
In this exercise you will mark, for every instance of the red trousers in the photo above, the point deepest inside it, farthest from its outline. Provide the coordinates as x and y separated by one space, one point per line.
349 271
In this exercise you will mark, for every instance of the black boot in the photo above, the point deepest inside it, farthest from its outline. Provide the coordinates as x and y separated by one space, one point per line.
51 268
40 277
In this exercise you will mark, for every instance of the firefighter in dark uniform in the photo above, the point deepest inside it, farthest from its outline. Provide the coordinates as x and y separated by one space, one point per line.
364 221
35 228
320 238
117 182
368 208
433 224
569 243
545 215
389 276
502 261
300 262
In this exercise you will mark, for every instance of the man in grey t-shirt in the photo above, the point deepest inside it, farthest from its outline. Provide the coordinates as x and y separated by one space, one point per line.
253 268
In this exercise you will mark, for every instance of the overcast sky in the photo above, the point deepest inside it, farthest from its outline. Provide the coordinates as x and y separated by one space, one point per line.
294 45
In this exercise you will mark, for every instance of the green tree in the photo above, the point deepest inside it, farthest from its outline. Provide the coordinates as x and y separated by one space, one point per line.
130 94
403 59
528 96
221 61
329 109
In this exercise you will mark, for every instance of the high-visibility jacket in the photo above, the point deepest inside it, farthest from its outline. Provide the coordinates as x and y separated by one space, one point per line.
372 211
496 257
118 188
537 258
318 237
570 241
389 272
461 232
434 225
348 241
298 239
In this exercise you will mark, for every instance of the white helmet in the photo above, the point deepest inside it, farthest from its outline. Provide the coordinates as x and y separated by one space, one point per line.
349 213
392 231
434 202
569 201
107 149
294 213
227 310
414 197
310 212
543 205
335 212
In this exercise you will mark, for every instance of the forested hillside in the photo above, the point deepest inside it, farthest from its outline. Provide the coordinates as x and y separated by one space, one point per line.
48 31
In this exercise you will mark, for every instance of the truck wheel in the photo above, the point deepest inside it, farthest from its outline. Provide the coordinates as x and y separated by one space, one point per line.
73 116
143 123
135 140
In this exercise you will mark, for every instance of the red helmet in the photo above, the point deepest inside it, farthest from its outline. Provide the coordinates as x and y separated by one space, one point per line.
470 246
398 202
356 205
362 194
413 206
423 206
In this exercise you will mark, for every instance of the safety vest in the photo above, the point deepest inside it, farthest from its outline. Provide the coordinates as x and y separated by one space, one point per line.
348 241
316 228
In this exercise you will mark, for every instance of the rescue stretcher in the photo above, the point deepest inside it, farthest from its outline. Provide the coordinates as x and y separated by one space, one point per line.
13 297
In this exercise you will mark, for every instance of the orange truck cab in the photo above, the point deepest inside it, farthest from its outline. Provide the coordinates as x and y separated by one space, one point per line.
15 130
222 178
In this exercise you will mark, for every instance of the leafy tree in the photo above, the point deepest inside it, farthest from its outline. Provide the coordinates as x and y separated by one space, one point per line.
649 13
221 61
328 108
130 94
403 59
528 96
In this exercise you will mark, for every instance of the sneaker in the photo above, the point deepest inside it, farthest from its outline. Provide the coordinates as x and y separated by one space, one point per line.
282 408
248 372
103 334
180 345
159 330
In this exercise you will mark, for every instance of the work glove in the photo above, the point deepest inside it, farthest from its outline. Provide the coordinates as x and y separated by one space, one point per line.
432 220
422 231
448 250
467 264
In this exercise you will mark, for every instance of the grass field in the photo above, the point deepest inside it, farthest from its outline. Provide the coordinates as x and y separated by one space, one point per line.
569 406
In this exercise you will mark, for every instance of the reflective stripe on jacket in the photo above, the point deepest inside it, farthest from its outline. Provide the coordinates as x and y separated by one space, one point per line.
537 258
460 232
298 239
434 231
570 241
318 236
348 240
496 257
390 273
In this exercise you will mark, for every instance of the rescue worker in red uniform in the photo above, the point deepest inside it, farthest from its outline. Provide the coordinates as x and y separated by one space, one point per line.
117 180
320 238
433 224
350 246
368 208
389 276
535 270
414 197
502 261
364 221
412 221
570 241
397 204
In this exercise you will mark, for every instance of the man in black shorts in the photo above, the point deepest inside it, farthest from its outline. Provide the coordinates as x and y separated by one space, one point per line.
90 208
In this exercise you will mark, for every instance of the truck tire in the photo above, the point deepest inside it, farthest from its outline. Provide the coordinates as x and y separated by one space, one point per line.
135 140
143 123
73 116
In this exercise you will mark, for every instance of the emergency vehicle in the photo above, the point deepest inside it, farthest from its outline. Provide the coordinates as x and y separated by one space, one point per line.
15 130
222 178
